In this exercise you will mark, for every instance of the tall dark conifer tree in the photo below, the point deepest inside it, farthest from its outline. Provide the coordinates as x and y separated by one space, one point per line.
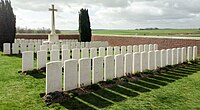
84 26
7 23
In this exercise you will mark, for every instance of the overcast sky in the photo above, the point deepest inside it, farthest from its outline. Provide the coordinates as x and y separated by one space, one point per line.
110 14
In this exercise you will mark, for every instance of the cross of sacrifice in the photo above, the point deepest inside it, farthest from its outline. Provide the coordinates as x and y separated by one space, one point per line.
53 32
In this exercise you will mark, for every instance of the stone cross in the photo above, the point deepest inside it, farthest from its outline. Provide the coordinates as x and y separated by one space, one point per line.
53 19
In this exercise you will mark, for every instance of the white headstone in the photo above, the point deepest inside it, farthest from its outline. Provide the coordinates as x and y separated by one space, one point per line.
43 47
82 44
97 69
37 47
174 56
53 76
54 55
93 52
15 48
163 58
135 48
144 61
116 50
158 58
65 55
141 48
179 55
23 47
189 53
136 62
84 74
41 59
146 47
102 51
151 62
73 45
151 47
76 53
119 65
27 61
109 69
109 50
123 50
55 47
194 52
129 49
128 63
30 46
64 47
169 57
78 45
70 74
84 53
155 46
184 55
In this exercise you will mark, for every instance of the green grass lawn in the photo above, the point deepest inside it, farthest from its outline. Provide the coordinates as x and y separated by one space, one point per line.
161 32
177 89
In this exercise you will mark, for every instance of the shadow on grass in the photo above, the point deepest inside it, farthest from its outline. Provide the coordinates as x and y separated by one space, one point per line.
108 96
38 74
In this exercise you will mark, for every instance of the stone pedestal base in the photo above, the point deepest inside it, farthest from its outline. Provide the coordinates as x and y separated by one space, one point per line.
52 38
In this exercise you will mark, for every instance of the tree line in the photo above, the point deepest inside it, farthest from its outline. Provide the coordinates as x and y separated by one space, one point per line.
7 23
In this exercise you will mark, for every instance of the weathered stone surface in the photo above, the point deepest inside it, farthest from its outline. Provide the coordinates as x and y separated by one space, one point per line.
116 50
84 53
119 65
53 76
123 50
184 55
141 48
158 58
151 62
144 61
128 63
163 58
54 55
76 53
136 62
109 50
194 52
179 55
174 56
102 51
109 69
151 47
41 59
146 47
129 49
27 61
65 55
169 57
23 47
30 46
70 74
135 48
55 47
43 48
84 74
155 46
15 48
97 69
93 52
189 53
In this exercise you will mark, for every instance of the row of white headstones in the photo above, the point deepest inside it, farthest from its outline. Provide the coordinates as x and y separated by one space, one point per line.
39 41
27 61
18 48
78 73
